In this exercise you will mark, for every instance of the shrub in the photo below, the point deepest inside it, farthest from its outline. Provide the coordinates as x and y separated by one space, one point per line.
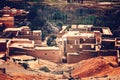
45 69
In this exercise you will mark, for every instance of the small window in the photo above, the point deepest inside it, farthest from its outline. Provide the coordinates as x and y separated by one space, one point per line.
80 46
71 46
27 32
75 42
45 53
92 46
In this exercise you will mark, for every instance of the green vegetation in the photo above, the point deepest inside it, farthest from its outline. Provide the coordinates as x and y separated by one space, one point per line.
25 65
51 41
51 18
44 17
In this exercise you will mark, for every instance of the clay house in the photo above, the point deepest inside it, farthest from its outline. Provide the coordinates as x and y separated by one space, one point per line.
26 33
105 31
18 46
23 32
81 46
86 41
7 20
6 10
79 40
76 44
24 42
13 11
10 32
11 16
27 47
82 41
47 53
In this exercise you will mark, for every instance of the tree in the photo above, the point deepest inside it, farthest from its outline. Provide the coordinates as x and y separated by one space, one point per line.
81 1
51 41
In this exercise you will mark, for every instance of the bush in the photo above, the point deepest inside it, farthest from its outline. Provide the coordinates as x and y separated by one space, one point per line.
25 65
45 69
58 72
51 41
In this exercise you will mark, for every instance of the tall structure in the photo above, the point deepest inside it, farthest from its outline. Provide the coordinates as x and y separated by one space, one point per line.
10 16
86 41
22 32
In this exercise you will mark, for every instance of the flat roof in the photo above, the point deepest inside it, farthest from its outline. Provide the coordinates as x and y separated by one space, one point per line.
80 35
84 26
36 30
2 55
74 26
81 26
108 39
17 39
2 40
21 43
47 48
12 29
22 57
22 27
1 23
105 30
105 3
6 18
73 54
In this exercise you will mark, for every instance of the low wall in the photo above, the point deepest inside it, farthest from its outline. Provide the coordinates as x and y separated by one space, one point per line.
51 55
17 51
73 58
107 53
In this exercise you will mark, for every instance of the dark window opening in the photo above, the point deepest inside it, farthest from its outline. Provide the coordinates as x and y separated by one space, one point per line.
45 53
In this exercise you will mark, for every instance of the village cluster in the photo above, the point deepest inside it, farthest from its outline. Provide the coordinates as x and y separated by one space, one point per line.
74 42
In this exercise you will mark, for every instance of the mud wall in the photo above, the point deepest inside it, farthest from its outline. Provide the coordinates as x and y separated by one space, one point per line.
51 55
71 58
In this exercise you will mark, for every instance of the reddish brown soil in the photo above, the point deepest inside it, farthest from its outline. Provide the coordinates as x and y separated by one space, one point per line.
24 77
5 77
100 66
